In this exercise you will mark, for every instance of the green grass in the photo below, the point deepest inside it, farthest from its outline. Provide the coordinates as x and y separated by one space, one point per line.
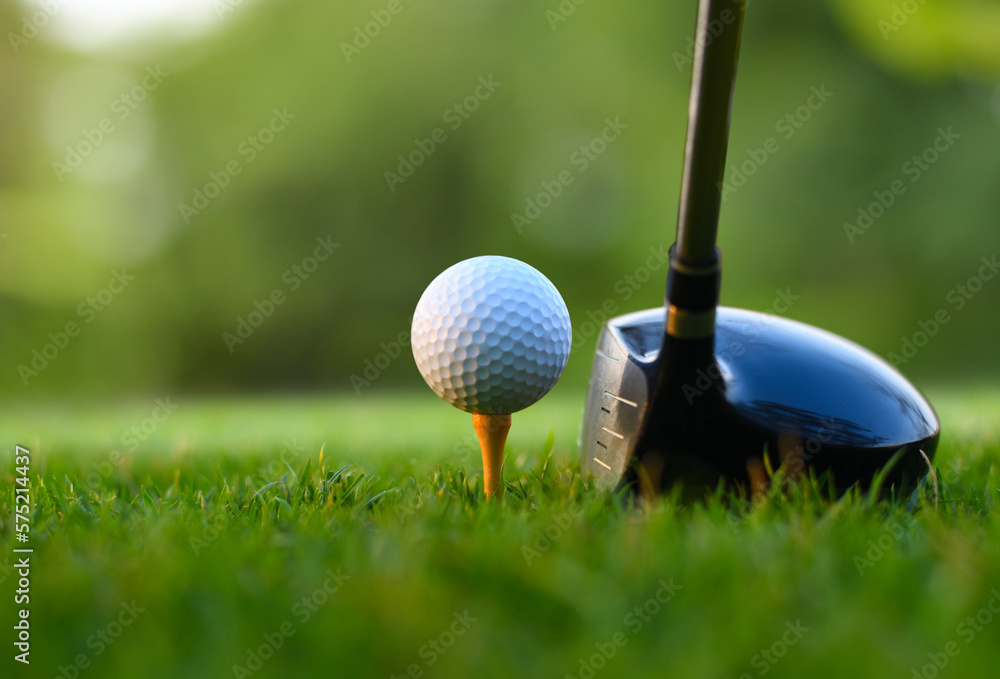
218 541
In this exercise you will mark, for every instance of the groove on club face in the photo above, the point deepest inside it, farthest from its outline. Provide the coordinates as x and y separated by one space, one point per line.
799 395
616 399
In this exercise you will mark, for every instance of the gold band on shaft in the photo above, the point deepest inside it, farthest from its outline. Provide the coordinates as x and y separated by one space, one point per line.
690 324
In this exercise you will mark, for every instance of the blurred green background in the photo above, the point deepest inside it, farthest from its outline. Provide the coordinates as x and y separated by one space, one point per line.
110 132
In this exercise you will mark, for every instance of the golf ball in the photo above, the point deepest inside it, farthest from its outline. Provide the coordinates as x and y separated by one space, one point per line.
491 335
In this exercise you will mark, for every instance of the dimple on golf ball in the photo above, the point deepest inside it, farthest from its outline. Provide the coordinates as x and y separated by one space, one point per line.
491 335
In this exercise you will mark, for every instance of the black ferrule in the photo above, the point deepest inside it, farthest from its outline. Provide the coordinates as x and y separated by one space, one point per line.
693 287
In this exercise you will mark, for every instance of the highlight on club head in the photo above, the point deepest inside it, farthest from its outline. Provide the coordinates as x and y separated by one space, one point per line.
774 389
696 393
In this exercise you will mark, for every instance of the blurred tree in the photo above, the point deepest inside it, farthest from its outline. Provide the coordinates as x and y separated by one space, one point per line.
410 140
928 40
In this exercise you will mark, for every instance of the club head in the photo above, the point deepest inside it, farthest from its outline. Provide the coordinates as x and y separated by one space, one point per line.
802 397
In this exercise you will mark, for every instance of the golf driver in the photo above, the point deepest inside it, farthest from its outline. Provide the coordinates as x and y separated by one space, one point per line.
695 392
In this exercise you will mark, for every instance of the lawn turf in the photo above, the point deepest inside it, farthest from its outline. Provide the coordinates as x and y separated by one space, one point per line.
231 548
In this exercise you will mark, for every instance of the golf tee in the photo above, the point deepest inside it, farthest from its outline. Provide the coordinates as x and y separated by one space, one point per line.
492 432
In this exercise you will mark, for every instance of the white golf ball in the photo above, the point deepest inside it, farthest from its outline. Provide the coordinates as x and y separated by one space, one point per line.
491 335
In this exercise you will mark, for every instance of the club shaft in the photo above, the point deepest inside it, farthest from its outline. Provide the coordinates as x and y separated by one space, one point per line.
713 75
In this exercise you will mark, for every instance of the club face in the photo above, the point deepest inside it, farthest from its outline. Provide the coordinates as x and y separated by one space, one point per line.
800 395
621 382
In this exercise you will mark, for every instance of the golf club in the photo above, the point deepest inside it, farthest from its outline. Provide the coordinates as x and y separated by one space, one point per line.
694 392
